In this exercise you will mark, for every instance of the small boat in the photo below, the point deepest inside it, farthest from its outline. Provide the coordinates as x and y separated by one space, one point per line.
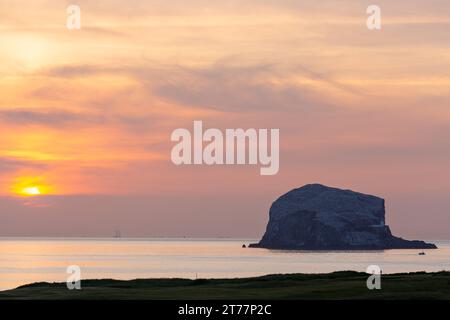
421 253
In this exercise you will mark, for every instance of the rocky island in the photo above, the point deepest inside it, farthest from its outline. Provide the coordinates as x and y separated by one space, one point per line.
317 217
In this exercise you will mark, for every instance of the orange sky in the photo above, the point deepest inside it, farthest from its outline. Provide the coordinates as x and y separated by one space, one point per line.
90 112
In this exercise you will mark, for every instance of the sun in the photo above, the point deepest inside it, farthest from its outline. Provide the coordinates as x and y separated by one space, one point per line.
31 191
30 187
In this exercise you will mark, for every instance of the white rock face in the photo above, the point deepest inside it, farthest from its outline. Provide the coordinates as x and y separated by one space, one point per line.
317 217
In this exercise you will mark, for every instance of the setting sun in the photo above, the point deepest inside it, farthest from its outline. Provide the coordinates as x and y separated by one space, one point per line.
31 191
30 186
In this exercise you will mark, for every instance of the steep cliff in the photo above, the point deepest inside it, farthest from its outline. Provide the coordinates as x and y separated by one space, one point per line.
317 217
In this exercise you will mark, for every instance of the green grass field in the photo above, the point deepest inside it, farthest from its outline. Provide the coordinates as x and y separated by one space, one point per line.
337 285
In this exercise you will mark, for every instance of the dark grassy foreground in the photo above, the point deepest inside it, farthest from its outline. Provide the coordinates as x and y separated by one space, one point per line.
337 285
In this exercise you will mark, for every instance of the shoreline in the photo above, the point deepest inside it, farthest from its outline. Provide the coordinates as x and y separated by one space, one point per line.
327 286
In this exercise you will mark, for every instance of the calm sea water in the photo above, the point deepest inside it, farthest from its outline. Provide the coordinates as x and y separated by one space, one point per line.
30 260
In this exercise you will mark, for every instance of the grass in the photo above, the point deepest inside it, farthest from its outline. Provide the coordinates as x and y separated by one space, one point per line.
331 286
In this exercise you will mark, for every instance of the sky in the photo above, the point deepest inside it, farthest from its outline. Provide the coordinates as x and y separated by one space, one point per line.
86 115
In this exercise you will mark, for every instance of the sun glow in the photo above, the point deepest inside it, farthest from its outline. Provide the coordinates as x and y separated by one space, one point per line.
30 50
31 191
30 186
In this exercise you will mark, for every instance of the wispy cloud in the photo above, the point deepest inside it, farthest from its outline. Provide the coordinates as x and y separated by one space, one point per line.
13 164
61 119
52 117
222 86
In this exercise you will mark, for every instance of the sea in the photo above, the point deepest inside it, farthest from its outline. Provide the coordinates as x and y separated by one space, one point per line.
28 260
